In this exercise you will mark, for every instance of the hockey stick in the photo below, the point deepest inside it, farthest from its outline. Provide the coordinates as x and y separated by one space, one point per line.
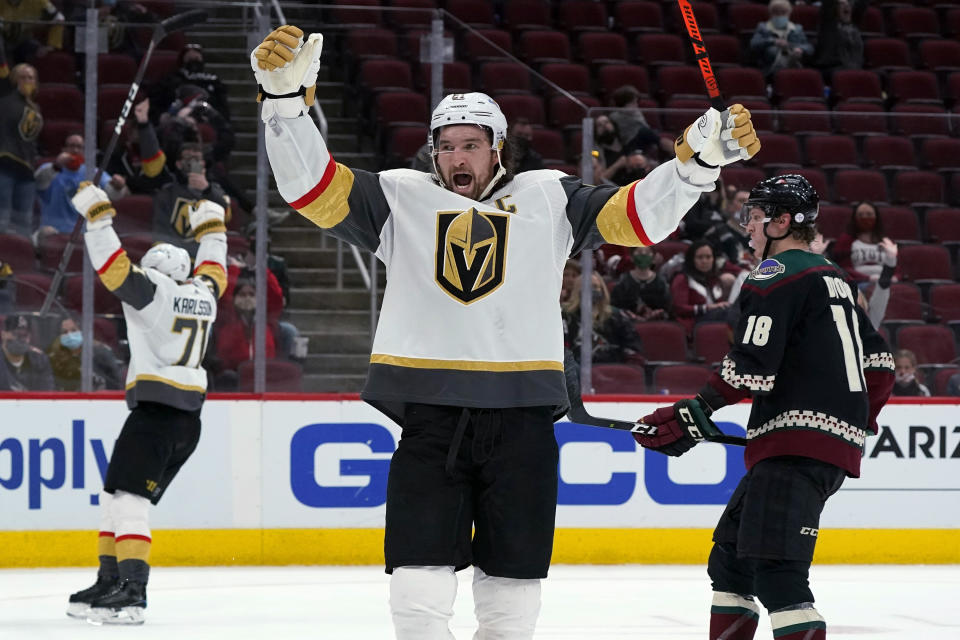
578 413
162 30
703 58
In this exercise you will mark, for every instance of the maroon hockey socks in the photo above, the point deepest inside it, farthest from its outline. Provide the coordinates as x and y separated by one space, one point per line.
733 617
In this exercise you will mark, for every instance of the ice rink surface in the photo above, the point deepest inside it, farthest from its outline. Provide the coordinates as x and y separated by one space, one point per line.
588 602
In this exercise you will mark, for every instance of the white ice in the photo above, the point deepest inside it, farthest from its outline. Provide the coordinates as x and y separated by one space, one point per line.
584 602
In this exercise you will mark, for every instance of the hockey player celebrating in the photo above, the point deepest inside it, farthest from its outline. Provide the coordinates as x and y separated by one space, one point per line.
468 355
169 318
819 375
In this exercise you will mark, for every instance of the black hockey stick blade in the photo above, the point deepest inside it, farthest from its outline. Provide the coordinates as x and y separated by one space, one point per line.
179 22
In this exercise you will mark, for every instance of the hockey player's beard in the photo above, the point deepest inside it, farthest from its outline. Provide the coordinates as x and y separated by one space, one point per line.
464 182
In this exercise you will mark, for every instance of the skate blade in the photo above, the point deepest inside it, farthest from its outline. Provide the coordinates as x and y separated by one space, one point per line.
78 610
127 615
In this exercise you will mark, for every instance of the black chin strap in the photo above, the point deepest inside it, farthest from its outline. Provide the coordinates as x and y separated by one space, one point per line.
771 240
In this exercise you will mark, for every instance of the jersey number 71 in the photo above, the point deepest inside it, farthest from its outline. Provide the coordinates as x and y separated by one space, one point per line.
191 324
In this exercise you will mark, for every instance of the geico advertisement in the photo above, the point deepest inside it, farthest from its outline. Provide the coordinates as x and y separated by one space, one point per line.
281 464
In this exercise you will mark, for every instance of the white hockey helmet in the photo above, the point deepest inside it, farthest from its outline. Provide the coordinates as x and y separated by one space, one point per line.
169 260
470 108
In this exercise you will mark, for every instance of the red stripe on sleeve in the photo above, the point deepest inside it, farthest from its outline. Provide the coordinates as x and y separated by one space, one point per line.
106 265
154 156
106 534
634 218
211 262
320 187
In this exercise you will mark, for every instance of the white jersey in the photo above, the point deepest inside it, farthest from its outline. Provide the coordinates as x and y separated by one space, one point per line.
471 312
168 323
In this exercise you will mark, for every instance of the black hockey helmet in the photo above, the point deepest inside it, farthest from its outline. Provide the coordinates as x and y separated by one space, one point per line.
790 193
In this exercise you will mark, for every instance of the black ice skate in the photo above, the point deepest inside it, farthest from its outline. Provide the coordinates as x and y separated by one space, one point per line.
124 604
80 601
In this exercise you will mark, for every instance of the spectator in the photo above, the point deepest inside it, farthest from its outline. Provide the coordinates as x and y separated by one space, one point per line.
839 43
422 160
192 114
906 382
634 131
20 124
18 33
6 295
699 291
571 276
171 215
705 214
953 385
729 236
234 336
778 43
612 164
615 339
863 250
57 181
64 356
192 71
640 290
520 135
876 306
26 367
140 157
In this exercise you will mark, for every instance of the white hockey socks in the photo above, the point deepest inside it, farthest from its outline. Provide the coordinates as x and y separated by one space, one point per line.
799 622
421 602
733 617
506 608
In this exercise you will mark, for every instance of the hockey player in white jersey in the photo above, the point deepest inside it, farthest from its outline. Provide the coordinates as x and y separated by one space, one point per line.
468 355
169 317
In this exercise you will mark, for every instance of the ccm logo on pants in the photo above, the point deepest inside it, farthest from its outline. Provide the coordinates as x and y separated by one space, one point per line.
809 531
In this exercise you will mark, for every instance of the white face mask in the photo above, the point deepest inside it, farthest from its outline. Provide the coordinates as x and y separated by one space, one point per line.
779 22
904 378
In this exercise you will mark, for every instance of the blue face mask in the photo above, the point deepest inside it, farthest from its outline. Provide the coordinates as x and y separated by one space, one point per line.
71 340
779 22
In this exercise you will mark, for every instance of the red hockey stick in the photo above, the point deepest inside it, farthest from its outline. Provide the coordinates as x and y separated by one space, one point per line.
703 58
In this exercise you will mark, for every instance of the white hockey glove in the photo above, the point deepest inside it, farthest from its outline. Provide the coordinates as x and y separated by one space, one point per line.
92 203
206 217
717 139
286 71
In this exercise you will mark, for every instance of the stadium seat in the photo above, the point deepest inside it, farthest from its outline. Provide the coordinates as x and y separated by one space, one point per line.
134 214
900 224
743 18
17 251
941 379
549 144
888 152
798 84
372 43
888 54
370 15
281 376
539 47
613 76
707 18
920 120
761 113
854 185
405 141
682 112
401 108
941 154
115 68
174 41
711 341
54 133
924 262
779 151
932 343
807 16
802 117
522 15
943 225
945 302
831 152
833 220
582 15
477 50
816 177
663 341
412 19
51 248
103 300
659 49
955 189
137 244
618 378
872 23
724 51
526 106
914 22
161 65
386 75
918 188
456 77
940 55
475 13
56 67
861 119
30 289
504 77
110 100
416 40
574 78
739 83
639 17
105 331
914 87
566 114
603 48
856 85
61 103
741 177
952 23
680 82
669 248
682 379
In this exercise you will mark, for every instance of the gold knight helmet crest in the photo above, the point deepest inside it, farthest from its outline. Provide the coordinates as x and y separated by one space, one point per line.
471 252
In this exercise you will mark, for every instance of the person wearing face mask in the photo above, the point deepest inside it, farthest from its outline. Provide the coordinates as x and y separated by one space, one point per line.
27 368
234 335
191 70
700 291
20 125
612 163
64 354
615 339
864 252
641 290
839 41
520 135
905 375
778 43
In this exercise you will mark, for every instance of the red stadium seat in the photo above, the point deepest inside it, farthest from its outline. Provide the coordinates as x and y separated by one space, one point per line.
618 378
414 40
941 379
738 83
816 178
711 341
110 100
942 154
161 65
952 23
832 220
906 302
522 106
456 77
807 16
280 376
856 84
56 67
918 188
17 251
888 152
743 18
860 118
943 225
412 19
115 68
134 214
741 177
640 17
886 53
538 47
565 113
406 141
658 49
680 82
805 84
831 152
914 22
401 107
103 300
603 48
931 343
549 144
724 51
61 102
582 15
613 76
371 15
663 341
51 248
945 302
761 113
478 50
504 77
872 24
386 75
521 15
575 78
778 151
940 55
914 86
706 13
924 262
105 331
854 185
137 244
683 379
30 290
804 117
682 112
475 13
367 43
900 224
54 133
669 248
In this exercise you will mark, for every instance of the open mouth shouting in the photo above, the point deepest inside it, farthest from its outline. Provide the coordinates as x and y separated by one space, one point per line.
463 183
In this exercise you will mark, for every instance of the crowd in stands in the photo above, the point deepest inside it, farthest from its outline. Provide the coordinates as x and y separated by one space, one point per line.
173 151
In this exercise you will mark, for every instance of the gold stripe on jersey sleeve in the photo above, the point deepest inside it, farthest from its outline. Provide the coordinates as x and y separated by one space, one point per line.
325 205
133 548
214 271
618 220
152 167
115 272
466 365
177 385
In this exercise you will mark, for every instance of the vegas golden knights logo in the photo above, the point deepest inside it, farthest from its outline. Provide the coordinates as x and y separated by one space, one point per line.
180 217
31 122
471 252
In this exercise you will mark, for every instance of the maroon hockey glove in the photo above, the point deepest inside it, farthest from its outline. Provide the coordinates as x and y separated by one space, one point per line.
672 430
